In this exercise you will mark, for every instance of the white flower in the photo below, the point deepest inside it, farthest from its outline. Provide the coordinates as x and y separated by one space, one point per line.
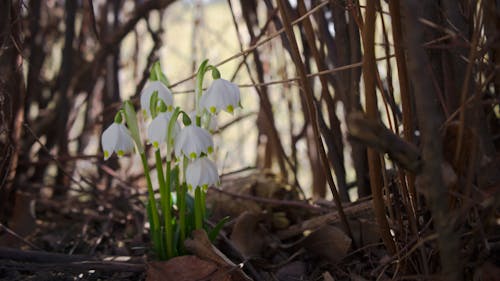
116 138
208 121
202 172
192 141
157 130
163 93
221 95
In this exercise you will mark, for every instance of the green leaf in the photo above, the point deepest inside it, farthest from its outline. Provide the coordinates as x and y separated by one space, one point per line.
118 117
185 119
153 102
131 119
156 74
212 234
164 79
203 68
215 72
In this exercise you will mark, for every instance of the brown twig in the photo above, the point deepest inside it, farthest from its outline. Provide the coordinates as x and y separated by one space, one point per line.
291 203
375 135
312 112
369 70
76 266
352 210
19 237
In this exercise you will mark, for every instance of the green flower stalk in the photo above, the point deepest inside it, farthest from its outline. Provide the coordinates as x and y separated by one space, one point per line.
131 120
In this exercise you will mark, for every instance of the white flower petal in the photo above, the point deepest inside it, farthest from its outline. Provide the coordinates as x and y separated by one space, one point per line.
221 95
116 138
202 172
192 141
163 93
158 129
108 140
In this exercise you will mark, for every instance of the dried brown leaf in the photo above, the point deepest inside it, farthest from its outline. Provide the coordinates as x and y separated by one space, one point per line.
328 242
292 271
246 236
226 270
183 268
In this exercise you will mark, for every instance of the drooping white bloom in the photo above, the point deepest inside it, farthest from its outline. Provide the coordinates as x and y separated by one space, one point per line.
163 93
221 95
202 172
157 130
116 138
192 141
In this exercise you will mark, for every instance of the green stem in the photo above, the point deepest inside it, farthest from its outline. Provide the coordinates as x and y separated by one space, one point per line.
165 204
198 209
199 85
181 201
198 120
153 211
199 91
203 204
168 213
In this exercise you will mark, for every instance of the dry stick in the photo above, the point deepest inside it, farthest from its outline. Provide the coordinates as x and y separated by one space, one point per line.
465 87
281 155
431 176
472 98
109 44
279 145
396 115
374 134
59 164
408 127
311 111
369 69
251 48
257 38
387 98
408 186
156 36
37 260
294 79
357 209
270 201
392 213
19 237
327 134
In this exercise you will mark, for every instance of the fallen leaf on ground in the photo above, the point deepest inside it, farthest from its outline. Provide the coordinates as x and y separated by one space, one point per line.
183 268
328 242
327 276
226 270
246 236
293 271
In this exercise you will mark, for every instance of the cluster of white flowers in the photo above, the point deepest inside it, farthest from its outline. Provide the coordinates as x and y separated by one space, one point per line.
192 141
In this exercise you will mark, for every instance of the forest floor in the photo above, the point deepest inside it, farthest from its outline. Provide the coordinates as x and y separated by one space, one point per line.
271 235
